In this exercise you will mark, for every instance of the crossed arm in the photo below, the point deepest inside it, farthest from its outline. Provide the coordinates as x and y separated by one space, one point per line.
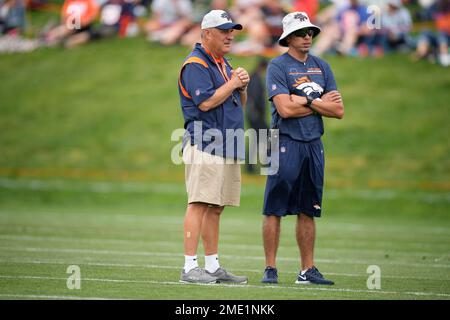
293 106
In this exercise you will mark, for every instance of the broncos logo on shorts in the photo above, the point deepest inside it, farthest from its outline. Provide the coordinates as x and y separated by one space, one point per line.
308 87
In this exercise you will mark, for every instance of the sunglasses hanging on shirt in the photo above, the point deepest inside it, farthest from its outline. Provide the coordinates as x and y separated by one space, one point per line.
234 100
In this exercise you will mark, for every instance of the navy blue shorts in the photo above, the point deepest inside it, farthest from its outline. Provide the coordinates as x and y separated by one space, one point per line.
298 185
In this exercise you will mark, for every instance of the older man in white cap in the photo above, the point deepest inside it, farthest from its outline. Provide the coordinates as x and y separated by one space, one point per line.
302 89
212 95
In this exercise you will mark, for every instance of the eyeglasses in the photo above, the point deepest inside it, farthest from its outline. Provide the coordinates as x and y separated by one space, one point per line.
304 32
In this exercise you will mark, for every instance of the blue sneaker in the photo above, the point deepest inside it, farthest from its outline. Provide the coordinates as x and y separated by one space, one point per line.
312 275
270 275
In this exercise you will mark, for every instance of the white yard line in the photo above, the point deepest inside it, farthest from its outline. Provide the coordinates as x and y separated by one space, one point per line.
303 288
154 266
179 255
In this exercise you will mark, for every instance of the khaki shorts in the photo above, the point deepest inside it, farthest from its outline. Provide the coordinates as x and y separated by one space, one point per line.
210 179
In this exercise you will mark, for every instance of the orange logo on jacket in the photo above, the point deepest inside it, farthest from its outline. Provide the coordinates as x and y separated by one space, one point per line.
300 80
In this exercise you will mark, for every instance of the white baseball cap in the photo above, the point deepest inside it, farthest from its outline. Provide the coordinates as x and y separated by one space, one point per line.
219 19
295 21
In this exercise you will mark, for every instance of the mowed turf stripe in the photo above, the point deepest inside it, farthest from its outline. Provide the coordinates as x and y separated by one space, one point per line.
179 188
178 255
223 245
331 245
282 287
234 222
155 266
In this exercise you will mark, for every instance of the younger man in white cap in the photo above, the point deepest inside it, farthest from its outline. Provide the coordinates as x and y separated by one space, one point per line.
302 89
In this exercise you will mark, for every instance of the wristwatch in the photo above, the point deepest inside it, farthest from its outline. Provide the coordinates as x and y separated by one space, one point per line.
309 100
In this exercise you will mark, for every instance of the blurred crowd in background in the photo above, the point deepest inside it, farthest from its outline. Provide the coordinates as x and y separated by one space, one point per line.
349 27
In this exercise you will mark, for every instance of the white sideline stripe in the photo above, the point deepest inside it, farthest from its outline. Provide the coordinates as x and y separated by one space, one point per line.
174 188
39 296
173 244
418 293
178 255
154 266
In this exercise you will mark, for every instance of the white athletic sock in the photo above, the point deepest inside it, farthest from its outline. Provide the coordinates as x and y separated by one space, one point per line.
190 262
212 263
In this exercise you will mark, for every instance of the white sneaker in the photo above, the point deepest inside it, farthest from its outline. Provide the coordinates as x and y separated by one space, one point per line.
224 276
197 275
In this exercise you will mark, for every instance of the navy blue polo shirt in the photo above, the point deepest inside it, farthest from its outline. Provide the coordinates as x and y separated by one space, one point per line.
213 131
287 75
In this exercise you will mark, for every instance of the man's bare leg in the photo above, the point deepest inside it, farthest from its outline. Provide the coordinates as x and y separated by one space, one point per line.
193 226
192 230
271 238
306 234
210 229
210 237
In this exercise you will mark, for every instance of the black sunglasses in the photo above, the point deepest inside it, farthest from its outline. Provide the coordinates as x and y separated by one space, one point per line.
304 32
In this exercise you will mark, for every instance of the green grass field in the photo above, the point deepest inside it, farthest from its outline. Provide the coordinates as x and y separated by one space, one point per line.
86 179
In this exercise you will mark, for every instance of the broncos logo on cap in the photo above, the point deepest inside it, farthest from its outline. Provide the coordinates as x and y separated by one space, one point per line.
300 17
226 16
